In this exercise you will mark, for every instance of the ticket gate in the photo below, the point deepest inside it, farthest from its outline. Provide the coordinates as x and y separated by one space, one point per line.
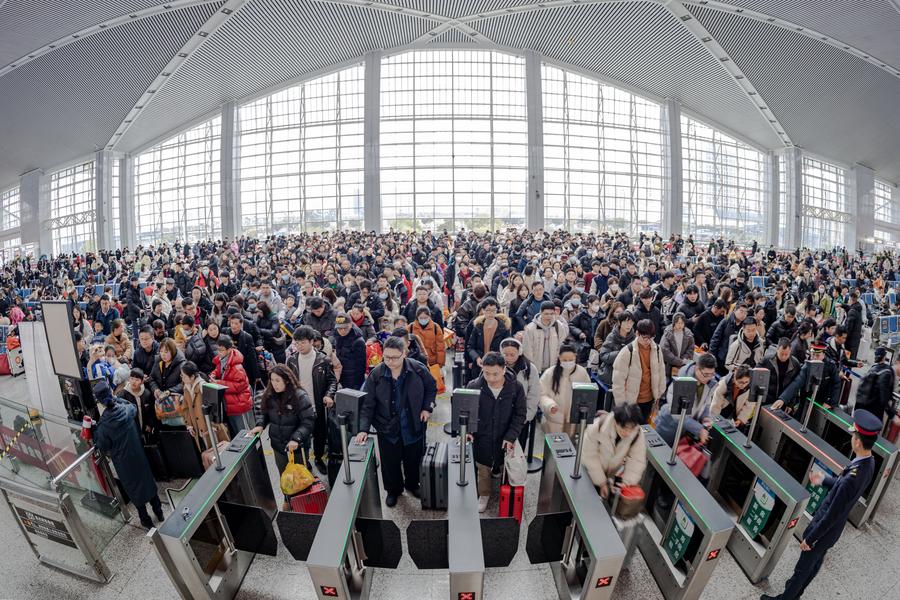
764 499
349 540
684 530
209 541
573 530
799 451
464 542
834 427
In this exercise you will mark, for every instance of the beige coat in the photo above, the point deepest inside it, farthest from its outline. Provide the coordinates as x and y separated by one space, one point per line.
626 376
603 457
743 408
562 399
534 336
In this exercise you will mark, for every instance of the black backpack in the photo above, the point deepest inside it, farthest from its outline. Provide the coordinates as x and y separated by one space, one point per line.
868 385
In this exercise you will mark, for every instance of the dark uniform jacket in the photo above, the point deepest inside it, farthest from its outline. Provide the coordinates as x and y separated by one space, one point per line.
378 408
843 493
499 419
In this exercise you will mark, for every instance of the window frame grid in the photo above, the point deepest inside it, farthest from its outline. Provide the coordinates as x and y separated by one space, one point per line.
73 210
10 208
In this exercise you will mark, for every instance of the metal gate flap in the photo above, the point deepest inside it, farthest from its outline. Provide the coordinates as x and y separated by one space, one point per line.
297 531
426 542
250 527
545 537
381 541
499 541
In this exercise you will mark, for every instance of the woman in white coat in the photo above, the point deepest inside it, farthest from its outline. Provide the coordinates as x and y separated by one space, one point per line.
556 391
614 448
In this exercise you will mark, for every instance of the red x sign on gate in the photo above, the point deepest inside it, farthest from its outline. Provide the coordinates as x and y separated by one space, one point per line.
604 582
466 596
329 591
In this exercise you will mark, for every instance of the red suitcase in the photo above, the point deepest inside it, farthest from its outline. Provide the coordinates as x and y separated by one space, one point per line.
512 499
893 430
311 501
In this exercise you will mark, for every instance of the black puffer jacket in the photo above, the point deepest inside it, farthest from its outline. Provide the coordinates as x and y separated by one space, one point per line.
196 351
167 379
610 349
781 329
273 338
294 421
499 419
351 351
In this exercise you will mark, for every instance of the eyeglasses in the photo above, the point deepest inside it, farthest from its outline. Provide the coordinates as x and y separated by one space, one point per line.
645 336
392 358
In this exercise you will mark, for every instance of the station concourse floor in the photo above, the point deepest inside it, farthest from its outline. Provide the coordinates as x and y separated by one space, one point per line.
862 565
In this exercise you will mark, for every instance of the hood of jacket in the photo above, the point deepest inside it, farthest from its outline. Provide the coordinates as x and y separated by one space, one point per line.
479 320
537 321
623 340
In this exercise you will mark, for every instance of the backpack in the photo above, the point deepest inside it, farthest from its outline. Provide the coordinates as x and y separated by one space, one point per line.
868 385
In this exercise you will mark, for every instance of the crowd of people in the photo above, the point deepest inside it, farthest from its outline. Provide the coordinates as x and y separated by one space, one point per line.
285 322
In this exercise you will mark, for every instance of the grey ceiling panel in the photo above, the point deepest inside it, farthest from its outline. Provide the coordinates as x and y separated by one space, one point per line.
263 44
456 9
830 102
68 103
26 25
870 25
453 36
643 45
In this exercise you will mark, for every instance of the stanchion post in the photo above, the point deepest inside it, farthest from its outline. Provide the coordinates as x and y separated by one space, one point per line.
463 426
212 437
582 423
345 445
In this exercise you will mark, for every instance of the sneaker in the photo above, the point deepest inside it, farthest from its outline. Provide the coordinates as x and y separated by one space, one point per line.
414 491
321 466
391 501
159 516
482 503
147 523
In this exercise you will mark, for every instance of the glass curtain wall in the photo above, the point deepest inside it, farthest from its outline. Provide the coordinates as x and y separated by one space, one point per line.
604 162
9 209
115 200
883 203
176 189
73 212
825 211
454 140
724 185
300 157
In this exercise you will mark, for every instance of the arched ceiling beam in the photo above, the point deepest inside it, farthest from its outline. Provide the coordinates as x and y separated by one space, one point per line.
94 29
709 42
797 28
183 55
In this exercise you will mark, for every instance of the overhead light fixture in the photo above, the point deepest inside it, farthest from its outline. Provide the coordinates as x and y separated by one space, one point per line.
740 10
706 39
770 20
686 17
167 6
103 25
227 11
165 73
763 108
182 55
724 59
31 56
132 16
752 93
202 33
738 76
128 122
75 36
799 29
52 46
138 107
151 91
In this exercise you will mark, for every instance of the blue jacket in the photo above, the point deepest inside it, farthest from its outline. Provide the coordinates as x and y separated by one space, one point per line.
107 319
844 491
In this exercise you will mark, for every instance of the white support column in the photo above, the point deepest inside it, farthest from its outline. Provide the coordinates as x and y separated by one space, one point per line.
773 188
861 232
673 205
534 109
103 218
34 199
127 223
231 206
895 204
372 143
794 196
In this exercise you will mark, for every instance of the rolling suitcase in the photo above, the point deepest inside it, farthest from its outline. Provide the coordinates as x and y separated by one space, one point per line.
157 462
893 430
512 500
310 501
433 476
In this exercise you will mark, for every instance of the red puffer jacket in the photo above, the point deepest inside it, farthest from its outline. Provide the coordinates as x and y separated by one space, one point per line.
237 397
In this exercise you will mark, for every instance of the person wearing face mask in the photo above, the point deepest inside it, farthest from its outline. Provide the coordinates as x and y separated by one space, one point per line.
614 449
583 325
556 391
431 335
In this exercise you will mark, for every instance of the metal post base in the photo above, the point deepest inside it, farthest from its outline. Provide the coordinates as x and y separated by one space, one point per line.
535 465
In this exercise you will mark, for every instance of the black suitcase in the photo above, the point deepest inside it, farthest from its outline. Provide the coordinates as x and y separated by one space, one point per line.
433 476
157 462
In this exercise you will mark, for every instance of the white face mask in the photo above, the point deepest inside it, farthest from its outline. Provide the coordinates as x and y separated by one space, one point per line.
567 364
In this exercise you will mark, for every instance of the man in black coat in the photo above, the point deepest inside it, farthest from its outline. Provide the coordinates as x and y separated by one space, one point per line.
785 327
244 343
145 350
783 368
421 299
317 379
854 325
646 309
372 301
876 392
350 348
400 396
501 415
721 339
195 349
135 305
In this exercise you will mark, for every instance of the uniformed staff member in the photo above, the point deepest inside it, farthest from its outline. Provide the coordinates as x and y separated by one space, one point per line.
843 493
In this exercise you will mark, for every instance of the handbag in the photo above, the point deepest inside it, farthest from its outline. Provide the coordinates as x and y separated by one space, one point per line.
631 502
692 454
438 378
296 477
515 465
